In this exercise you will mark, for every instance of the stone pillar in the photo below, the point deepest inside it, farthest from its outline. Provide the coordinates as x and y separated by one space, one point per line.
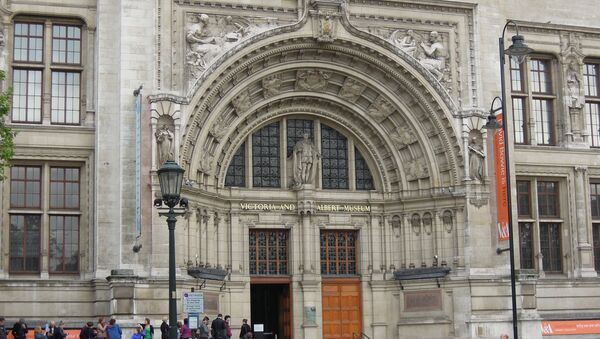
376 243
380 301
237 252
210 240
311 294
585 262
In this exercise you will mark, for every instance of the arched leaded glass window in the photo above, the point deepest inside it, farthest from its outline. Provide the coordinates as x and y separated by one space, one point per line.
265 157
270 149
364 179
236 173
334 152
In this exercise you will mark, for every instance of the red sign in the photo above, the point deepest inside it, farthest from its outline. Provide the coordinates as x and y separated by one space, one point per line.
501 180
570 327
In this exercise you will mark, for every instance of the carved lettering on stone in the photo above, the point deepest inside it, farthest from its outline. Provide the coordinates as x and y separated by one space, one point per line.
381 108
312 80
242 102
271 85
352 89
403 136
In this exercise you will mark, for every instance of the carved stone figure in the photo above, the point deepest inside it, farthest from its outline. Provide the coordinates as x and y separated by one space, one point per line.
351 89
312 80
416 169
271 85
165 142
305 155
242 102
403 136
206 161
381 108
202 47
407 43
573 84
219 128
326 31
433 59
476 156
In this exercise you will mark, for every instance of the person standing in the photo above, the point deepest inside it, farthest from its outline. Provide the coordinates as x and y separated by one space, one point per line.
113 331
101 328
218 327
38 334
148 329
51 332
3 332
245 329
164 329
60 331
228 332
137 334
203 330
19 330
186 332
87 331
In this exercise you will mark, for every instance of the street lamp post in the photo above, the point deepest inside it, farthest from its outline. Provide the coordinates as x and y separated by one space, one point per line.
170 176
518 50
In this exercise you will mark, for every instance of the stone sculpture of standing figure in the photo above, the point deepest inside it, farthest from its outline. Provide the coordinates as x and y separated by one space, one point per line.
304 157
573 82
476 157
164 141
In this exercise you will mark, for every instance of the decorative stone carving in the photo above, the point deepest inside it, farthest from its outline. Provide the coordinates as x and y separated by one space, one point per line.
305 156
574 76
208 36
312 80
476 156
403 136
434 55
415 223
242 102
381 108
407 43
166 144
219 128
417 169
271 85
205 163
325 28
351 89
447 221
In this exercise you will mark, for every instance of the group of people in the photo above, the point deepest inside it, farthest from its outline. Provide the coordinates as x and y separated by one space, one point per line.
220 328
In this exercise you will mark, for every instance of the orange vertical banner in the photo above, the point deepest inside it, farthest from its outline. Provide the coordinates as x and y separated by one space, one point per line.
501 189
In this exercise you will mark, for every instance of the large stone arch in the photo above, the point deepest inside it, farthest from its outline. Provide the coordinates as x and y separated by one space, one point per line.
398 109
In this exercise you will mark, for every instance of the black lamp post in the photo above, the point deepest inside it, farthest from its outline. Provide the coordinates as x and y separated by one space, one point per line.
520 51
170 176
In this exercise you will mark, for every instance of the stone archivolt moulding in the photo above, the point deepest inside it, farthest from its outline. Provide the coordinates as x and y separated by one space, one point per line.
399 95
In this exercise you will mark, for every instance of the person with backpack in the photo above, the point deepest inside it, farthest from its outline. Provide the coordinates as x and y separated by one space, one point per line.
245 329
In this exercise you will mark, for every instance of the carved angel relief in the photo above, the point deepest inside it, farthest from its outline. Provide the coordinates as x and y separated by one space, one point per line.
219 128
312 80
417 169
242 102
403 136
381 108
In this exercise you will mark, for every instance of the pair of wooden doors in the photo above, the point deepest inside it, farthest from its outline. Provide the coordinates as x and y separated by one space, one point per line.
342 314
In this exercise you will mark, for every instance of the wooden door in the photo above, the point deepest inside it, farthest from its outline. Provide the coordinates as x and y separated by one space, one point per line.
342 314
285 316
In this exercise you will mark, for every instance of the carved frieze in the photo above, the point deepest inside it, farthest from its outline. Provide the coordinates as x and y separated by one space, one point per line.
403 136
205 162
219 128
417 169
242 102
271 85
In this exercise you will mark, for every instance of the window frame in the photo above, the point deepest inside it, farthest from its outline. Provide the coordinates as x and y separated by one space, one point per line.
277 261
592 100
356 249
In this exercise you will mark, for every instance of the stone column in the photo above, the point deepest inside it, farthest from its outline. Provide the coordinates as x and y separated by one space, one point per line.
376 243
220 240
380 302
210 240
236 242
585 262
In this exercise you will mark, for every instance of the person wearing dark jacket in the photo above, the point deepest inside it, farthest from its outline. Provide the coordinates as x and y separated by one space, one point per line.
218 327
245 329
164 329
3 332
87 332
20 329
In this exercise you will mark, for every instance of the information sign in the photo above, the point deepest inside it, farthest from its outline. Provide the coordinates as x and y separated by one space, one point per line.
193 302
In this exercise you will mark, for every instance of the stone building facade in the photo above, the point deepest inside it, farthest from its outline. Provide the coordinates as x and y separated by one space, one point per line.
339 178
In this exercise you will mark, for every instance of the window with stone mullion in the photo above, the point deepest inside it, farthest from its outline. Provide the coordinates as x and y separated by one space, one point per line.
364 179
295 130
24 243
334 152
595 209
266 157
550 247
591 85
236 172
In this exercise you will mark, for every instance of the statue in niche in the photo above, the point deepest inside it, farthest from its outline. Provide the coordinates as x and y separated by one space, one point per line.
573 84
407 43
165 143
476 155
433 59
305 154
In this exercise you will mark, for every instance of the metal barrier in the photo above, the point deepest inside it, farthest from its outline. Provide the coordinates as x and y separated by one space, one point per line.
360 335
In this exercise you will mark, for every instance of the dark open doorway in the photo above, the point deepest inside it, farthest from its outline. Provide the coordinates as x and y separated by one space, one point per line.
271 306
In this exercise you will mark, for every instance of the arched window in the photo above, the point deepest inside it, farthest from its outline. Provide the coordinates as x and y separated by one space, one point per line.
271 167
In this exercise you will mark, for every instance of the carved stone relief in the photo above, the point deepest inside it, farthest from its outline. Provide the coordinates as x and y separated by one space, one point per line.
207 158
312 80
219 128
476 156
271 85
572 62
351 89
242 102
381 108
403 136
305 161
417 169
207 36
